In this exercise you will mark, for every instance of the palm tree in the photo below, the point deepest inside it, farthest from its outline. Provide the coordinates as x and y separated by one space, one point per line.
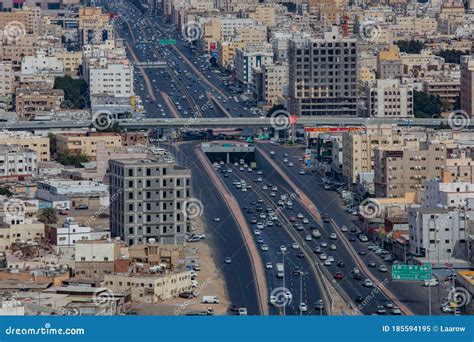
48 216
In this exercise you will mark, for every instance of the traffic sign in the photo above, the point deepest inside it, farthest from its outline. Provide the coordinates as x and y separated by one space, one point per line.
411 272
168 41
426 272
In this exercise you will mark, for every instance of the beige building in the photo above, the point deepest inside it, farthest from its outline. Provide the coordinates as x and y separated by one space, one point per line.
149 287
358 148
29 17
398 171
447 88
30 103
85 143
467 85
6 81
71 61
265 14
270 83
27 140
92 23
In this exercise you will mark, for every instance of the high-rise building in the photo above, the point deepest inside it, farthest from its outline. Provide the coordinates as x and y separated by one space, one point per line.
323 75
467 84
390 98
148 199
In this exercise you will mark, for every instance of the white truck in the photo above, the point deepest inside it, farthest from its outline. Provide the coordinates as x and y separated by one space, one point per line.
280 270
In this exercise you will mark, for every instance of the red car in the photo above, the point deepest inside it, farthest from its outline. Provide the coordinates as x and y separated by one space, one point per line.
338 276
292 219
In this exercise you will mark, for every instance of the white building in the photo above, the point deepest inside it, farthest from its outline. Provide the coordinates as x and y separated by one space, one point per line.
41 65
447 195
439 236
17 161
389 98
252 56
71 232
60 191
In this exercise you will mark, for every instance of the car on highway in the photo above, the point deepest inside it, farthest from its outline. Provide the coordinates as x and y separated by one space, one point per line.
217 219
323 256
333 236
327 263
371 264
259 240
264 248
383 268
341 263
380 310
297 271
317 250
324 244
228 260
319 304
300 255
283 248
333 247
303 307
338 276
268 265
257 232
305 221
368 283
308 237
396 311
344 229
362 252
431 282
295 245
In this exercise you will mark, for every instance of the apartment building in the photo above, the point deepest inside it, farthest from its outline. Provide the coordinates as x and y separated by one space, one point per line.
70 232
150 198
447 88
86 143
446 193
150 287
94 258
467 84
7 79
71 60
28 141
30 103
390 98
251 56
323 75
264 13
94 25
398 171
41 64
271 84
17 162
439 235
358 148
389 64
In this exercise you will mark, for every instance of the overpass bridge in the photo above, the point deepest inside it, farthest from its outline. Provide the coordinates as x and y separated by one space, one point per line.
240 122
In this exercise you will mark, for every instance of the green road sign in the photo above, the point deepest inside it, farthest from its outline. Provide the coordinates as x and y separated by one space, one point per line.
426 272
168 41
411 272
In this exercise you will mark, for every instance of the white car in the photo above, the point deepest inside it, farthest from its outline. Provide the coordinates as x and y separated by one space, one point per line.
264 248
217 219
295 245
323 256
305 221
333 236
368 283
303 307
268 265
431 282
344 229
308 238
327 263
283 248
333 247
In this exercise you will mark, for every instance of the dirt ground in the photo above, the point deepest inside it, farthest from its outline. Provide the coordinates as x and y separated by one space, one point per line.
211 283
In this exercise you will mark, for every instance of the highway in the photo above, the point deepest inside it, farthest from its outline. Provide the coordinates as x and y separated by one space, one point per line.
224 237
413 295
183 84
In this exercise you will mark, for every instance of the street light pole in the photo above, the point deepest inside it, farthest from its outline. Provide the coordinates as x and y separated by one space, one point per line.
284 286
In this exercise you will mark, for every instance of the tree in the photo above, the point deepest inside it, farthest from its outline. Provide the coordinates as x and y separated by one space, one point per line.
410 46
426 105
48 216
452 56
73 159
76 91
275 108
5 192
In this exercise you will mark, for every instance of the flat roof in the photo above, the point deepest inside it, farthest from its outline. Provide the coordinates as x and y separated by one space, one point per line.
467 275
